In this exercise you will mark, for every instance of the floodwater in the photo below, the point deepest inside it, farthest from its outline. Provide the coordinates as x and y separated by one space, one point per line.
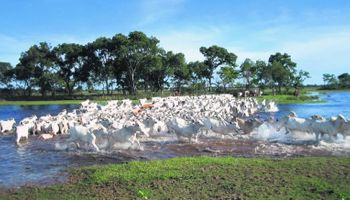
20 112
43 162
336 103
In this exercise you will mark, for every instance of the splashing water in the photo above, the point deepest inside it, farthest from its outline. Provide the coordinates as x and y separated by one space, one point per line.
339 145
37 160
268 132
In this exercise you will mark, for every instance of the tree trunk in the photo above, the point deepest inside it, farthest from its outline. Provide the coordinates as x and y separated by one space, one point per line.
43 92
279 89
209 84
67 87
70 91
29 89
247 85
132 87
107 86
178 87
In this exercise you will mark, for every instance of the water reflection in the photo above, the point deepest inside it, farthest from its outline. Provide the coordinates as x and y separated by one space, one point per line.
20 112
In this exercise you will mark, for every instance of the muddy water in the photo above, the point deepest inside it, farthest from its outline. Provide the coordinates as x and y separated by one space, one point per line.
39 162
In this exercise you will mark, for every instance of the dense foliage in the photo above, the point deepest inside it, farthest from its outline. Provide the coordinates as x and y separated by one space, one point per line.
333 82
133 62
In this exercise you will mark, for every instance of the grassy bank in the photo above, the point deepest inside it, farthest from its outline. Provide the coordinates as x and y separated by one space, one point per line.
335 90
204 178
27 103
282 99
56 102
290 99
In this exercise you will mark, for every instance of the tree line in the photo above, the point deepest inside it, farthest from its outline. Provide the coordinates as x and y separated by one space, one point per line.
332 81
133 62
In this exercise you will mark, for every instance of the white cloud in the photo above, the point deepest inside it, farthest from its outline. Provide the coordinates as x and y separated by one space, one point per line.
325 52
317 50
189 40
154 10
12 47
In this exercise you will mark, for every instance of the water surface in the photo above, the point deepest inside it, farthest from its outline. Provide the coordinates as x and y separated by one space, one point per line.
40 162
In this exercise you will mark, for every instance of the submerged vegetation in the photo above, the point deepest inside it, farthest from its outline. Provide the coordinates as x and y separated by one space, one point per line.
203 178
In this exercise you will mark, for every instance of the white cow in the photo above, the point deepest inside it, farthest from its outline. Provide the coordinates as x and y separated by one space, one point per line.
221 127
46 136
126 134
81 133
331 127
63 126
7 125
147 126
184 129
160 127
316 124
23 130
293 123
248 125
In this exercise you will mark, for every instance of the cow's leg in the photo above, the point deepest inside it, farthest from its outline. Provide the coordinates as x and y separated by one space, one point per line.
95 146
317 139
287 131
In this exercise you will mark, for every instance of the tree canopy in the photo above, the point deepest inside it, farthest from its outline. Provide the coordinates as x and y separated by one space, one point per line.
135 61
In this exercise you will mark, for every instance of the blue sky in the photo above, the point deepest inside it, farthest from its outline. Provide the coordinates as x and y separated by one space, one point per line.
315 33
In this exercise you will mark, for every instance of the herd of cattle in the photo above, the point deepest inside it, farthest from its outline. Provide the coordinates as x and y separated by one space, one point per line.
106 126
315 124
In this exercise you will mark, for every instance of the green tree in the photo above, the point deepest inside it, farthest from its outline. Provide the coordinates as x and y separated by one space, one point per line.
154 72
248 72
43 61
299 80
199 71
228 75
178 69
25 72
70 61
103 64
216 56
279 75
330 80
6 73
35 68
119 44
263 75
289 69
344 80
133 53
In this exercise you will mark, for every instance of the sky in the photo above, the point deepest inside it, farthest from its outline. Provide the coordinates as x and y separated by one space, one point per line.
316 33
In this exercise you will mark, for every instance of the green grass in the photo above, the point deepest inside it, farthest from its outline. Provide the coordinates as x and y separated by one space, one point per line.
335 90
204 178
25 103
282 99
290 99
56 102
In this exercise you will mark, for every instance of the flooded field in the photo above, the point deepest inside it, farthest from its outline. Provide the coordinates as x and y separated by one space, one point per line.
43 162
